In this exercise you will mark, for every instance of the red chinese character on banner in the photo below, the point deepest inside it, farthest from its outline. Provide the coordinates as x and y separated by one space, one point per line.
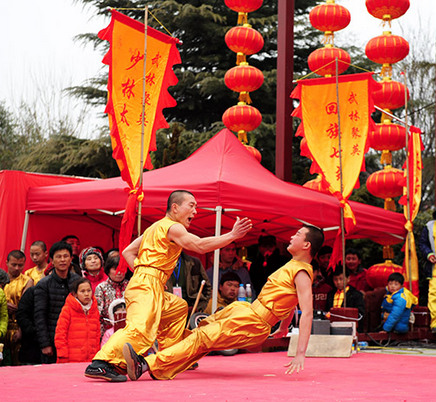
139 121
356 150
127 88
123 115
155 60
332 131
147 98
354 115
136 58
355 132
352 98
332 108
335 153
149 79
338 173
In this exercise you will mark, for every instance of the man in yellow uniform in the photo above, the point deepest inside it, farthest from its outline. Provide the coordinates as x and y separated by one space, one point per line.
18 284
38 255
244 325
153 313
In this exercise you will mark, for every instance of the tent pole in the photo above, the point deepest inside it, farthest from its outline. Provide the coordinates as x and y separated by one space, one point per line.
341 179
408 203
25 229
141 168
216 258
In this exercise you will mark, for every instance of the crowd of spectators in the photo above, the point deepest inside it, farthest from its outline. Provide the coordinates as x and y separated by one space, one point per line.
67 305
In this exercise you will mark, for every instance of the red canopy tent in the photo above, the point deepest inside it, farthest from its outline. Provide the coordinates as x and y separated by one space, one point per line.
226 180
13 192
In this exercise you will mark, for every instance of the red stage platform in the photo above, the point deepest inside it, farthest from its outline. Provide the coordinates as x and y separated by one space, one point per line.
251 377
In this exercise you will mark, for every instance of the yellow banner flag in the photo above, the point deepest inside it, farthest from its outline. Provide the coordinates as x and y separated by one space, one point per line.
336 119
320 104
412 182
125 90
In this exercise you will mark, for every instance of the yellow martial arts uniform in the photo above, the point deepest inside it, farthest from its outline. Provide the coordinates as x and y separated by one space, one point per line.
13 292
239 325
35 274
152 313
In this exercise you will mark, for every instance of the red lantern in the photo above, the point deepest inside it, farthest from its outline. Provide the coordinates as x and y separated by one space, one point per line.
244 79
387 137
242 118
329 17
390 96
387 49
323 61
243 6
244 40
317 184
385 183
387 10
254 152
377 275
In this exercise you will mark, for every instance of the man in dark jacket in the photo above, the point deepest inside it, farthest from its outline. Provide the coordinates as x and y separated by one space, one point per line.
267 261
427 246
50 295
29 351
186 278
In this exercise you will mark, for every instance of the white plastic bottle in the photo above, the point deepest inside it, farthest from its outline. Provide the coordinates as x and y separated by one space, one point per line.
241 293
249 293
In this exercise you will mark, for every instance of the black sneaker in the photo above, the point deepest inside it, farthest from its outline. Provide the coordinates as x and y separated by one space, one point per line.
105 371
134 362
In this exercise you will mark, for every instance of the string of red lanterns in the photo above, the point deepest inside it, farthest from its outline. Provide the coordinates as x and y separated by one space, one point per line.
329 18
244 41
386 50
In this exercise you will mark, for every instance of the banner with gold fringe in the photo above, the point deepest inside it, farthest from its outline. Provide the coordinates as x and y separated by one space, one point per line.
413 180
124 107
330 112
125 102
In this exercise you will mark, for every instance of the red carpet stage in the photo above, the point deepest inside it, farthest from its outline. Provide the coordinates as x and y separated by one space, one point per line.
250 377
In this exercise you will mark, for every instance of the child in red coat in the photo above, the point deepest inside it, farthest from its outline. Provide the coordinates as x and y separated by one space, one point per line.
77 337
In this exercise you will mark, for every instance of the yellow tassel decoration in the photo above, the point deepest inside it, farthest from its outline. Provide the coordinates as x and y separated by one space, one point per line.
388 253
240 58
390 204
386 158
242 18
242 136
245 97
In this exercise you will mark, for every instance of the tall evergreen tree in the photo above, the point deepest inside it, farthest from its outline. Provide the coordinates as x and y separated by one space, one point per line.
201 94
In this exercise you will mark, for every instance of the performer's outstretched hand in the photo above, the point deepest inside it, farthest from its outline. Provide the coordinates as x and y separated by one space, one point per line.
241 227
296 365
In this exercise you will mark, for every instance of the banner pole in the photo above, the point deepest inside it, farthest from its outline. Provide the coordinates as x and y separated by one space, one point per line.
141 168
341 179
408 203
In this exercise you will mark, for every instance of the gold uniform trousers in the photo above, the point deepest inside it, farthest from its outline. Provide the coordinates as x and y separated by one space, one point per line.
239 325
432 298
152 314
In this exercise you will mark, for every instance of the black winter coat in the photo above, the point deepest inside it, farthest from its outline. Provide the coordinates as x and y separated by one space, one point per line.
29 351
50 295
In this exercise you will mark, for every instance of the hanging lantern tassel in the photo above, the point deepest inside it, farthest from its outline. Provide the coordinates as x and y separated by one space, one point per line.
242 136
386 158
240 58
329 38
388 253
245 97
242 18
386 70
390 204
